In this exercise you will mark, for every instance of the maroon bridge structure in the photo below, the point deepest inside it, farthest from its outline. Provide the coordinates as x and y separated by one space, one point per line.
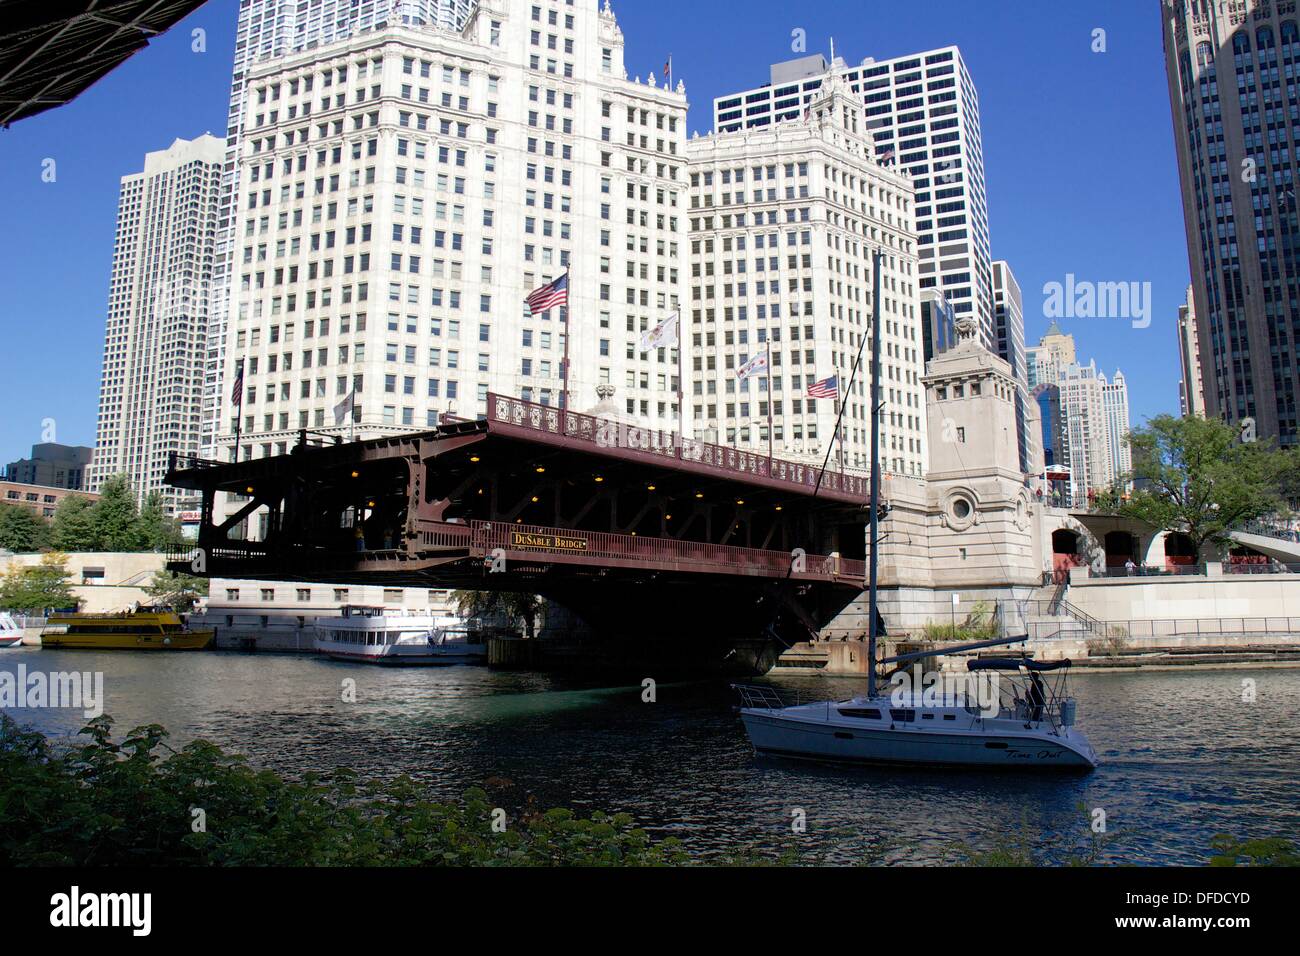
680 552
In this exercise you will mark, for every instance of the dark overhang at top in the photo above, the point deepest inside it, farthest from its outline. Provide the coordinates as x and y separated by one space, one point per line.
51 51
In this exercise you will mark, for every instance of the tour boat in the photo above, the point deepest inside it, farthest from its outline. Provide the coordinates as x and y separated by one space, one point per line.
143 629
11 635
376 635
1030 723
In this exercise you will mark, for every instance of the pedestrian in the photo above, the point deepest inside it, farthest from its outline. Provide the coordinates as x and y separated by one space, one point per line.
1130 568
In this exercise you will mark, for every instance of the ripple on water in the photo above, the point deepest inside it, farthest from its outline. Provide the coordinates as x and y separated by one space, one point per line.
1183 756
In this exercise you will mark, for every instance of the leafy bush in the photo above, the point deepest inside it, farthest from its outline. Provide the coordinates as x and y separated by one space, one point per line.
100 803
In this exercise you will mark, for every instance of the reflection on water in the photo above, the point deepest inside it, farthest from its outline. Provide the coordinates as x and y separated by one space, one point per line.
1183 756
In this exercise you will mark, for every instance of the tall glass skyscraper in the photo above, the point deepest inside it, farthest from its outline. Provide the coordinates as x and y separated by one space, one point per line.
1233 88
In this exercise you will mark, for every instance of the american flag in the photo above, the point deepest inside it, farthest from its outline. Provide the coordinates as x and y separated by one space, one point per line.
886 156
550 295
237 392
826 388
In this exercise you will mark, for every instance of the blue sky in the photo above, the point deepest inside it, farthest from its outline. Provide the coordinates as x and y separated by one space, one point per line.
1078 150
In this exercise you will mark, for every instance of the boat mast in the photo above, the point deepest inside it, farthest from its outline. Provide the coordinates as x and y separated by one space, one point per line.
872 600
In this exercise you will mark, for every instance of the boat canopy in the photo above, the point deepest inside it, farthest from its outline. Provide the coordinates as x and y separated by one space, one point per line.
1013 664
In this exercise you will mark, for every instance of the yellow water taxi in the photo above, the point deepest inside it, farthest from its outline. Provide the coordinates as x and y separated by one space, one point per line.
145 629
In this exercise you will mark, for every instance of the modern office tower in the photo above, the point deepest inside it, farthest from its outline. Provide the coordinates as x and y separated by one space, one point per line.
923 111
401 193
268 30
52 465
1009 332
1046 362
1191 394
783 223
1114 401
1231 79
1056 449
151 388
938 324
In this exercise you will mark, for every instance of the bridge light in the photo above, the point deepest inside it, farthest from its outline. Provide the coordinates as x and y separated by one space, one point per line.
473 458
540 469
778 507
740 501
634 534
480 491
699 494
519 521
668 517
599 479
534 499
248 490
649 487
356 474
370 504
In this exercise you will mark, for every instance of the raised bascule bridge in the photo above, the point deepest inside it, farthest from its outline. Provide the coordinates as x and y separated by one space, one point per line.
672 553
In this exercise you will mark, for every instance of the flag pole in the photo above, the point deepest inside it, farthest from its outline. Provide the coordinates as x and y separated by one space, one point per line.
872 600
681 378
771 397
568 311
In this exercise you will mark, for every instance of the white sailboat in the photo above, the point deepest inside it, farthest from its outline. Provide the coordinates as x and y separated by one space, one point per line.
1030 724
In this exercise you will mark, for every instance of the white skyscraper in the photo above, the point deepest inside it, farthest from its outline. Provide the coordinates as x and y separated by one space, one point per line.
1114 397
923 111
156 335
783 223
1191 392
401 191
267 30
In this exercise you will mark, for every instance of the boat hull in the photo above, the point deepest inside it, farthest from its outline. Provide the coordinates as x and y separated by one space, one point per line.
186 641
10 641
422 659
783 736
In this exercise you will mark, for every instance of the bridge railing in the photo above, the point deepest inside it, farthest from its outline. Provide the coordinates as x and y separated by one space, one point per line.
570 546
614 436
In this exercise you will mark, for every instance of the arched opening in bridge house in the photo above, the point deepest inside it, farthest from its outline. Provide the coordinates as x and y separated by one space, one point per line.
1121 548
1066 545
1180 551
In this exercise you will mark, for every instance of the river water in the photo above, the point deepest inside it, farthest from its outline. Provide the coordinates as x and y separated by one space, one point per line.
1184 756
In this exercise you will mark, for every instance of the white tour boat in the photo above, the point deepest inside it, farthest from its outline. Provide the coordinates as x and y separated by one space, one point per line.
376 635
1030 723
11 635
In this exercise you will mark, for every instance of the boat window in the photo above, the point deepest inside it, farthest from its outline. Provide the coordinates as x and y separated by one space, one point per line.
867 714
903 716
927 716
949 716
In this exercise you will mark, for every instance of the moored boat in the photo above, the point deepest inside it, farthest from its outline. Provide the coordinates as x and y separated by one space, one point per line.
143 629
11 635
1028 723
376 635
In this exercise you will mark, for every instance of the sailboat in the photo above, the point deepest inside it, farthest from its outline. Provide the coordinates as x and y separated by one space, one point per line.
1027 722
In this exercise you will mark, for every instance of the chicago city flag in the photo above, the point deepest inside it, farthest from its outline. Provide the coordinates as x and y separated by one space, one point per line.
662 336
755 366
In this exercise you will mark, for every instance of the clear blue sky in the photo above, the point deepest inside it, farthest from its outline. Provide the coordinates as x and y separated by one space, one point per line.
1078 151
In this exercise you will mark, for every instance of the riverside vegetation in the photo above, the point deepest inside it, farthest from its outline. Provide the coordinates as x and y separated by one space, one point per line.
140 802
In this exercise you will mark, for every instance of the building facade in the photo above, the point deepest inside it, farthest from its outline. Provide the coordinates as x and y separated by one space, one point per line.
783 224
401 193
53 465
40 499
923 114
1231 69
1009 332
1191 393
1114 404
268 30
155 344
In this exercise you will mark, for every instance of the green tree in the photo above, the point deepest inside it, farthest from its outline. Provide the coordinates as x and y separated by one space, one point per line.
516 607
116 518
73 527
38 587
22 530
1196 476
158 531
180 591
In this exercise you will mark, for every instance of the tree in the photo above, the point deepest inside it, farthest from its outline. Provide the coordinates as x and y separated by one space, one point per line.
181 591
1196 476
73 527
516 607
116 518
21 529
157 530
38 587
